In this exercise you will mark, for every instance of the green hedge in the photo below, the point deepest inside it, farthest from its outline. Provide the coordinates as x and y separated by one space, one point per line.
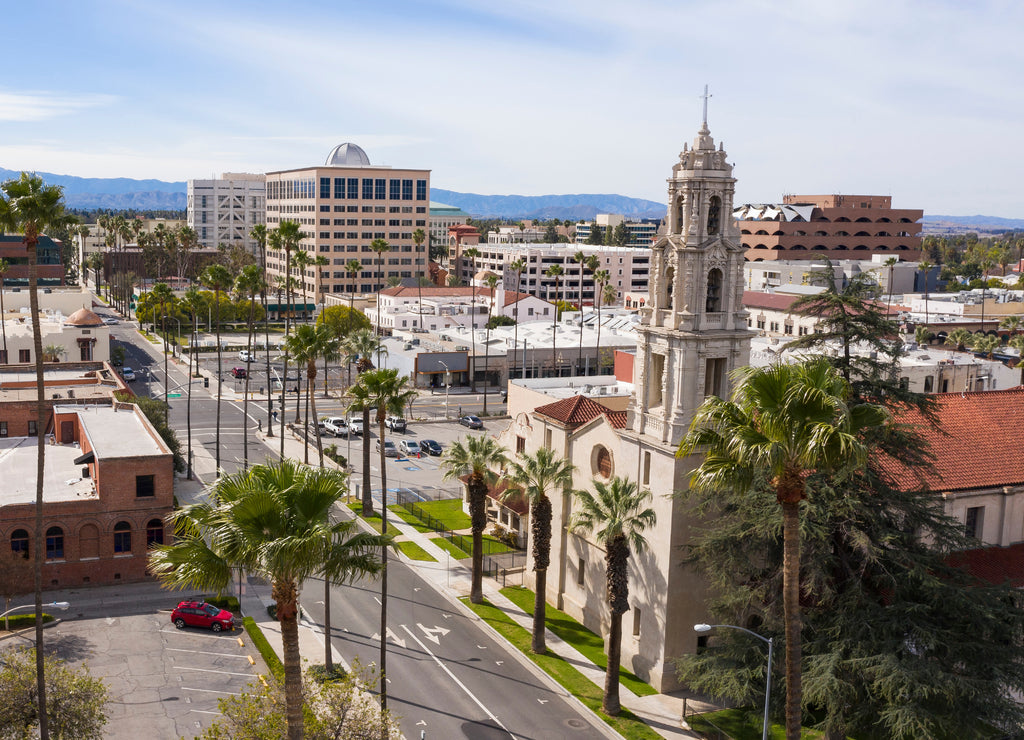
259 641
224 602
22 621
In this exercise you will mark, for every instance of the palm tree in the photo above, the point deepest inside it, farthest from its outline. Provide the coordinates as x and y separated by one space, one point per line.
784 422
306 345
418 237
921 335
352 267
4 267
218 279
517 267
583 260
162 295
958 338
95 262
273 521
615 513
601 280
925 266
363 344
30 207
53 352
473 462
1013 323
491 281
192 303
379 246
248 284
554 271
472 253
287 236
891 264
534 476
300 261
985 344
386 391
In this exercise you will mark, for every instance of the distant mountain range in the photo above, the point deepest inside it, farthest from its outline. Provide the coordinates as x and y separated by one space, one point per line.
125 193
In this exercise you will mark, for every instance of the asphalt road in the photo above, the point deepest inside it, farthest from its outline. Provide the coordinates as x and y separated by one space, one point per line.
447 677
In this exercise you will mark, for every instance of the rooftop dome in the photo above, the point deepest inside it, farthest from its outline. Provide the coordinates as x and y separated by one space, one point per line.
347 155
83 317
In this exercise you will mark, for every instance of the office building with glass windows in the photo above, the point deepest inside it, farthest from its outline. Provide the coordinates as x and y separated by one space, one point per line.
342 208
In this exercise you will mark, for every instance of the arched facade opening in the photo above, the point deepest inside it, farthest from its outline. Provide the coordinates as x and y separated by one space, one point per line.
714 299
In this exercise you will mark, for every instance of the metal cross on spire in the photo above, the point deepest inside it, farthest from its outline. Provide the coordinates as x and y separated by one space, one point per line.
706 95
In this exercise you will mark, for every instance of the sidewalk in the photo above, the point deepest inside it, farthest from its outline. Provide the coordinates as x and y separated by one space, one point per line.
662 712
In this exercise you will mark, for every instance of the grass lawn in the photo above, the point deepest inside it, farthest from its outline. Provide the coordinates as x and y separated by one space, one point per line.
626 724
448 513
574 633
741 724
415 552
374 521
409 519
448 547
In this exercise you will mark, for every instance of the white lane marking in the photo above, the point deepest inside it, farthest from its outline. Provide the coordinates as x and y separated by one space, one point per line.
207 670
391 636
211 691
206 652
202 711
459 683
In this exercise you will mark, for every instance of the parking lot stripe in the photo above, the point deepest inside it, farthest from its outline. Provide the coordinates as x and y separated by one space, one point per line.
205 652
211 691
207 670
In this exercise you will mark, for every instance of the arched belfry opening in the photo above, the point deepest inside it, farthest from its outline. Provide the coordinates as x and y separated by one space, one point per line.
670 278
680 213
714 215
714 301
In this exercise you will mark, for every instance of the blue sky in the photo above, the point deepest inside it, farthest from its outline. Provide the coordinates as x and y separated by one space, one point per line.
920 100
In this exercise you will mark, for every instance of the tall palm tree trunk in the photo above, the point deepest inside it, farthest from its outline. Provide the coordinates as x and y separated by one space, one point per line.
384 569
287 331
478 519
367 493
554 332
311 398
328 631
791 607
245 399
286 597
540 533
37 350
220 381
611 704
188 402
167 384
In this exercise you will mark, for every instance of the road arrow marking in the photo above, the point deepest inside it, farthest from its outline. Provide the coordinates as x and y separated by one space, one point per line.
421 722
481 647
433 634
499 662
543 701
458 683
391 636
447 616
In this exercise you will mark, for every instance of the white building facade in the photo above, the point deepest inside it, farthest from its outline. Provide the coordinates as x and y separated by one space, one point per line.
223 211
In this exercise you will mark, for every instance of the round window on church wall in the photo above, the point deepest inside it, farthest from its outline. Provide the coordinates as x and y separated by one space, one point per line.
601 462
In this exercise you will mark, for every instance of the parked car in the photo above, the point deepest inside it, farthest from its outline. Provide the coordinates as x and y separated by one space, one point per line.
430 447
409 447
246 356
395 423
389 448
128 374
201 614
355 425
110 320
473 422
335 425
238 372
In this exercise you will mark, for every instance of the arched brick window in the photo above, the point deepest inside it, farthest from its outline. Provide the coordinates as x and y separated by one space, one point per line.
55 543
154 532
122 537
19 542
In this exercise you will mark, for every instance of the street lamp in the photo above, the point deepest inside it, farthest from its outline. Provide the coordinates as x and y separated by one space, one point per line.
62 605
447 385
768 682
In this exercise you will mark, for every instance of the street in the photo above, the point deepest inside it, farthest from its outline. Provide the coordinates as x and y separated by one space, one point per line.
447 676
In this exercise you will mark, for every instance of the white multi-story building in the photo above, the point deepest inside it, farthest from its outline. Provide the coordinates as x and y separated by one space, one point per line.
440 308
627 269
641 231
442 218
223 211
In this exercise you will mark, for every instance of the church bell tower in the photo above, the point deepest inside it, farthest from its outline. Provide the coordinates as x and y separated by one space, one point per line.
694 331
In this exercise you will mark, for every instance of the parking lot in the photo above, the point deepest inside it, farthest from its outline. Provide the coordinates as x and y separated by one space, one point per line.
163 682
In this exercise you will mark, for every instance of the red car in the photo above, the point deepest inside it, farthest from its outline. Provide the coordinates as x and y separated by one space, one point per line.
201 614
238 372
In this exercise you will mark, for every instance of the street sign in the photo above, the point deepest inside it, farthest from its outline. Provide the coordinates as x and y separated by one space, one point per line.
174 395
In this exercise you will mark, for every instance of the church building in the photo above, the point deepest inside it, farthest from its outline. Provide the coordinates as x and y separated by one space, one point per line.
692 336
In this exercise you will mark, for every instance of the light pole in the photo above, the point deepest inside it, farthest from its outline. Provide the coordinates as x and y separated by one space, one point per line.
62 605
768 681
447 385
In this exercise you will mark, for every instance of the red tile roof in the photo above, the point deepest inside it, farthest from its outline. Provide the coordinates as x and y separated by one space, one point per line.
775 301
432 291
577 410
976 441
993 564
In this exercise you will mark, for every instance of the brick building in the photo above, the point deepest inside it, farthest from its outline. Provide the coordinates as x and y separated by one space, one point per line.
108 484
840 227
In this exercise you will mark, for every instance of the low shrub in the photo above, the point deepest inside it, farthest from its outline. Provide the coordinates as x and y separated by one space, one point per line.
261 644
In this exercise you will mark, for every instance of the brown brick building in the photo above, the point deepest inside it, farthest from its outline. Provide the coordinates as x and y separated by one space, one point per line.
108 484
840 227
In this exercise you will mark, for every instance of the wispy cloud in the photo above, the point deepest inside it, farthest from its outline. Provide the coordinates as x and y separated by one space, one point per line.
40 106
